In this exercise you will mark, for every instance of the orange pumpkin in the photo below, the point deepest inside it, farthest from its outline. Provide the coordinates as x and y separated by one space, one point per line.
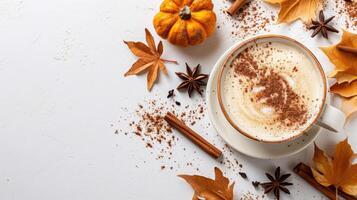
185 22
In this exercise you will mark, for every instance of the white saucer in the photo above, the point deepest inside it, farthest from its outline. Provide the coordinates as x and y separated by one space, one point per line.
240 142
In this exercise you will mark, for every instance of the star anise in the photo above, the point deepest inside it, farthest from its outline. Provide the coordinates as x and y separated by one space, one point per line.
322 26
192 80
276 184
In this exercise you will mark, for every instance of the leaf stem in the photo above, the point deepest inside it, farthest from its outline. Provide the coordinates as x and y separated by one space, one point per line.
336 193
171 61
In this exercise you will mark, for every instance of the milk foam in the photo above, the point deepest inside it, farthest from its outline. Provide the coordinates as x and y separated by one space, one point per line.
253 115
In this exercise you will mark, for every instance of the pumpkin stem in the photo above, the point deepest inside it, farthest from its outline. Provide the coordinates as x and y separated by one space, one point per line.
185 13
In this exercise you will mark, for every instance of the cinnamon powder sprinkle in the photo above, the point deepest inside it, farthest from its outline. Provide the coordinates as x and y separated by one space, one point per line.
347 9
289 107
251 19
291 110
145 124
351 7
149 126
246 66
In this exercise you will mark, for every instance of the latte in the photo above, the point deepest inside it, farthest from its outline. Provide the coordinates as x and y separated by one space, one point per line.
272 90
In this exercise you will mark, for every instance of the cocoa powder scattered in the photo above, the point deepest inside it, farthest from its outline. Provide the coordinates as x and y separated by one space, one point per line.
351 7
251 196
148 125
252 18
347 10
154 130
145 124
230 160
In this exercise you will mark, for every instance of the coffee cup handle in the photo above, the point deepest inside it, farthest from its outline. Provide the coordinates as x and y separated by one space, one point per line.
332 119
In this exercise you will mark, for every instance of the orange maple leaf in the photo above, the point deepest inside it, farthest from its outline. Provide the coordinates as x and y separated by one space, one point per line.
345 71
338 170
349 107
149 59
345 62
208 189
292 10
345 89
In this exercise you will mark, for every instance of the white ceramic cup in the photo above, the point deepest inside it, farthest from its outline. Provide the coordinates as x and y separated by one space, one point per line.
328 116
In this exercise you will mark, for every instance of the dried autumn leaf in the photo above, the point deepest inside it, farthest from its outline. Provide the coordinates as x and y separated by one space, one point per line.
208 189
345 70
342 77
291 10
345 62
337 171
349 106
149 59
274 1
345 89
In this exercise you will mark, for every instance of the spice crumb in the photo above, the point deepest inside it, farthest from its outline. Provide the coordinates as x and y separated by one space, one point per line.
243 175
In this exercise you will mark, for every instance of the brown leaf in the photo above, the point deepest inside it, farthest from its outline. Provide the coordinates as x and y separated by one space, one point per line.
139 66
162 67
139 49
345 89
349 107
337 171
291 10
149 59
150 40
152 75
205 188
160 48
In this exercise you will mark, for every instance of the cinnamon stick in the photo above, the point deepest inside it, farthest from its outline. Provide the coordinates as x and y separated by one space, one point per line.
347 49
192 135
235 7
305 172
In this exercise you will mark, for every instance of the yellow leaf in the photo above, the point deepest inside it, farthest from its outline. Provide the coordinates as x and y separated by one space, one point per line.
274 1
338 171
344 61
349 106
320 178
323 165
149 59
291 10
343 77
345 89
343 55
205 188
350 185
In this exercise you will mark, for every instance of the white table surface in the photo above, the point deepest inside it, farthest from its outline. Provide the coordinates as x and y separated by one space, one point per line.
63 92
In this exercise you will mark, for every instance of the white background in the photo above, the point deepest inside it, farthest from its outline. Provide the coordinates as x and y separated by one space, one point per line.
62 87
